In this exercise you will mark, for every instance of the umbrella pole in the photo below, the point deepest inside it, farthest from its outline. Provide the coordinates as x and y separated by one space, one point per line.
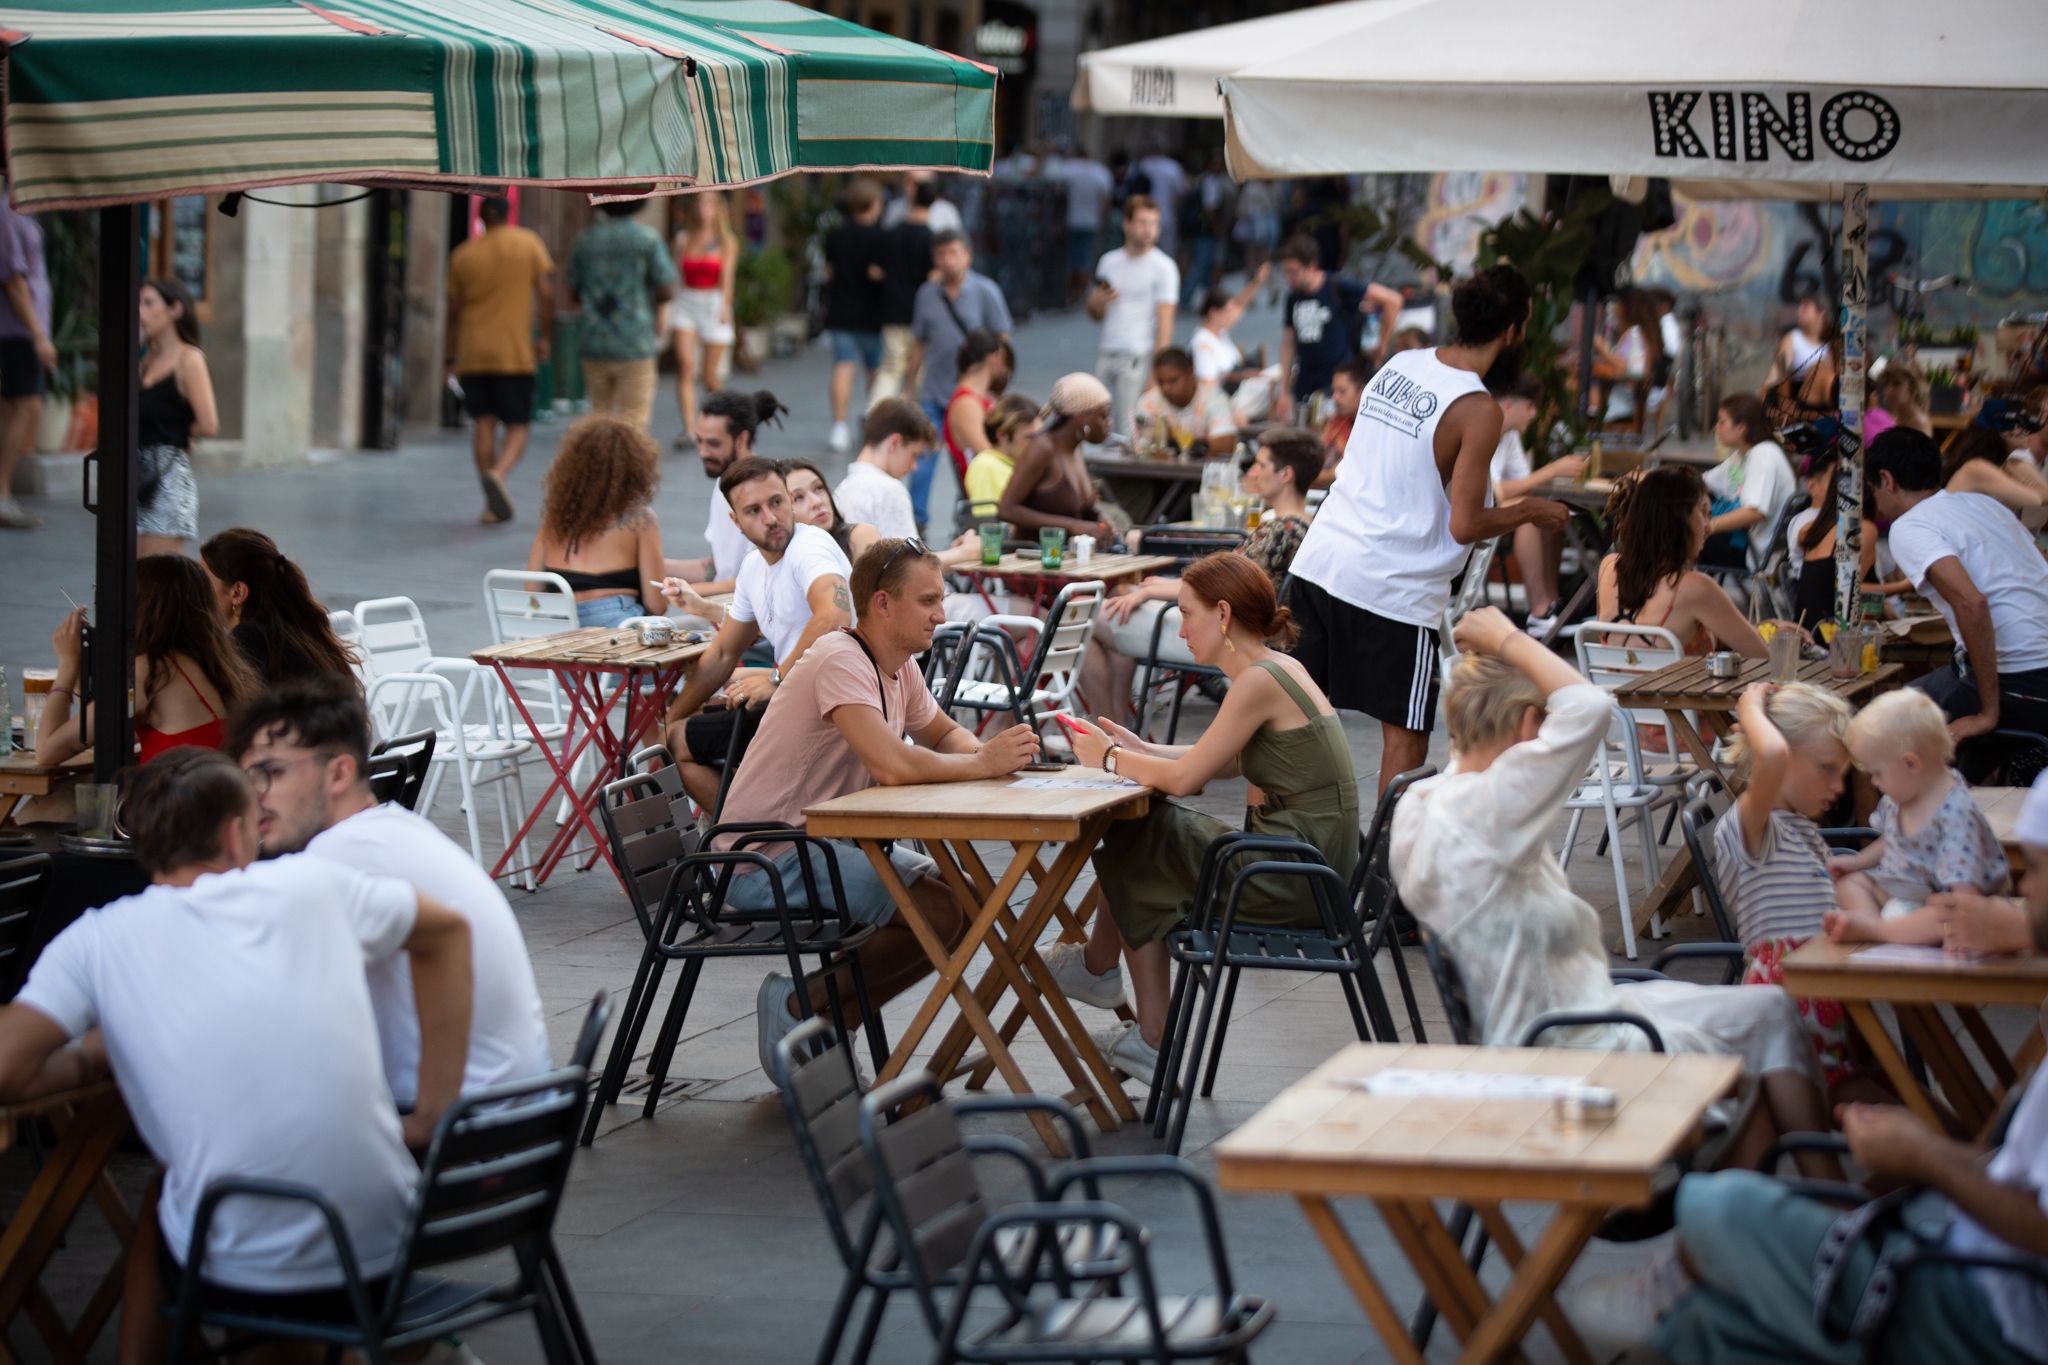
113 663
1855 325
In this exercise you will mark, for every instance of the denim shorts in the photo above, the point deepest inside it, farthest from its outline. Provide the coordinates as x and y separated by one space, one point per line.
609 611
865 347
867 900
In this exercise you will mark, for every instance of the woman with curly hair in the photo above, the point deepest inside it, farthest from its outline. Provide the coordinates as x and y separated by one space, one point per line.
270 608
1660 522
597 527
188 670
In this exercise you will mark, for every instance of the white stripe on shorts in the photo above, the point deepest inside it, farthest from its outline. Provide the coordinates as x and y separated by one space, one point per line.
1418 686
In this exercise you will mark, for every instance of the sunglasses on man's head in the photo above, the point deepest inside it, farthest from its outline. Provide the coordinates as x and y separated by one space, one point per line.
911 546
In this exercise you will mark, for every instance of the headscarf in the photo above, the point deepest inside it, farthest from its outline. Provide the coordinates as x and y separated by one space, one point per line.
1073 395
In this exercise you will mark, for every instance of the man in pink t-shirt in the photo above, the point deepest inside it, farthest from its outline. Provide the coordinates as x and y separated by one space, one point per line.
838 725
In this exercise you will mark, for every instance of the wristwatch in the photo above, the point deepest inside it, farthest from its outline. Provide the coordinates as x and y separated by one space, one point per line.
775 676
1109 759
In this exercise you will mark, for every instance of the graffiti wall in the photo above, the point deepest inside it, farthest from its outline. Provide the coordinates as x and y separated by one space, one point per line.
1749 263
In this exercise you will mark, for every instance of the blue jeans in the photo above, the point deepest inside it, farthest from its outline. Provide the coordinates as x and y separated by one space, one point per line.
1752 1241
1201 265
865 347
867 900
927 465
609 611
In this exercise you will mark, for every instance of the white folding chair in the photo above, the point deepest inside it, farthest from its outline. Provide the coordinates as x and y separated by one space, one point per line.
481 754
1051 676
1616 782
1615 653
1471 593
524 605
350 633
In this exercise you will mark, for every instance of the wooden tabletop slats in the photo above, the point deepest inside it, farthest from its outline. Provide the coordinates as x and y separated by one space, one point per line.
1686 685
592 646
968 809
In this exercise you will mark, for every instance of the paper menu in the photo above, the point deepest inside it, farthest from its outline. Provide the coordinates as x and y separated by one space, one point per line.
1491 1085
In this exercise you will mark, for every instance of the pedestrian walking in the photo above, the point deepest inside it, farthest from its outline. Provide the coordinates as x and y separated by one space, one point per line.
499 283
906 265
27 357
707 252
1136 293
621 277
1089 187
1373 575
854 255
173 404
956 301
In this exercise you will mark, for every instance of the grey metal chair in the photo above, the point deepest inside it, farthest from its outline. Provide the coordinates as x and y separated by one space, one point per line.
491 1181
986 1298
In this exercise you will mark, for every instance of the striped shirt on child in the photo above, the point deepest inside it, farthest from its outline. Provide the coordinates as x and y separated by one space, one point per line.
1783 890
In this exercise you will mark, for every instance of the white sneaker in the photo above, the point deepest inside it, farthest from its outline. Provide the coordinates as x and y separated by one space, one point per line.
841 439
772 1019
1619 1310
1129 1053
15 517
1076 982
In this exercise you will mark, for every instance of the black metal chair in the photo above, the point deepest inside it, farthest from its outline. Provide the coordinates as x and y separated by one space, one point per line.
822 1095
22 882
491 1181
399 767
1186 545
1338 944
678 891
987 1296
2004 758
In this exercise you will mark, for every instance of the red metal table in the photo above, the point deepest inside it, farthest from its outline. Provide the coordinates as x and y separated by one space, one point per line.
597 669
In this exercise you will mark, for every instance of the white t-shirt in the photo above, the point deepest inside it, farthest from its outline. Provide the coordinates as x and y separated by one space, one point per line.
1089 185
1130 326
508 1032
1510 459
729 544
869 496
1760 477
1382 540
242 1039
944 217
1634 354
1215 355
2020 1304
2001 559
775 597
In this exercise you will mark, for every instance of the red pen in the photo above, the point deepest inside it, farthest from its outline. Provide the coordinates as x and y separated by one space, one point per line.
1068 723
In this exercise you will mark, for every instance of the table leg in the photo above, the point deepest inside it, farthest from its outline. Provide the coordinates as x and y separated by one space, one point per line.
1864 1017
1456 1293
1988 1047
1562 1332
1358 1277
1534 1283
1072 930
70 1175
563 766
1960 1085
1671 894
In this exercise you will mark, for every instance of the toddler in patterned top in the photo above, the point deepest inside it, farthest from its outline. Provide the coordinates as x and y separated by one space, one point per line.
1931 836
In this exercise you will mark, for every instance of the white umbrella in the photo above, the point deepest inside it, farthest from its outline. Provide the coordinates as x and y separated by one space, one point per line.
1175 76
1747 98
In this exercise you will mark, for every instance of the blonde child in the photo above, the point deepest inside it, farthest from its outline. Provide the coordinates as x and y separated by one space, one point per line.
1931 836
1009 425
1768 853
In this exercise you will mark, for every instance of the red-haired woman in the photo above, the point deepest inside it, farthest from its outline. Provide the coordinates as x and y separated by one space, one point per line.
1275 728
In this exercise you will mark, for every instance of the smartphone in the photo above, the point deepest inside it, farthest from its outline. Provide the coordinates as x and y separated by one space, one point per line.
1045 767
1103 283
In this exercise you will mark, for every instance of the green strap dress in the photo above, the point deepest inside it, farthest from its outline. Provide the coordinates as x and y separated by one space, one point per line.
1148 868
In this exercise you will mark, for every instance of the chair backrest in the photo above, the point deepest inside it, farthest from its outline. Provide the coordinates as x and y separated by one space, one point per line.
1614 653
1188 544
924 1179
22 883
393 635
1372 889
350 632
1450 987
647 840
1069 626
822 1097
399 767
523 605
592 1032
1471 593
1695 820
399 702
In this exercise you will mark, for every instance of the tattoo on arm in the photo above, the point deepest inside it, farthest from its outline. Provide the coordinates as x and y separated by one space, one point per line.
842 598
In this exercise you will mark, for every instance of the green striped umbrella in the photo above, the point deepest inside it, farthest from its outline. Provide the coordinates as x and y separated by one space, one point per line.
112 101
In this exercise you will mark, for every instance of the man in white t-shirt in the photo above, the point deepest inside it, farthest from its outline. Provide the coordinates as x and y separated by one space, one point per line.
726 425
893 437
1973 559
1750 488
1372 579
791 590
1752 1246
305 745
1136 292
242 1043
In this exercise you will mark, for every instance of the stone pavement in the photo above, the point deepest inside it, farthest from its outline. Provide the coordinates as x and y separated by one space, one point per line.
695 1235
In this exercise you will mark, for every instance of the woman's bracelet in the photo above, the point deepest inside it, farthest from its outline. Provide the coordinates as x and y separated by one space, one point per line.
57 692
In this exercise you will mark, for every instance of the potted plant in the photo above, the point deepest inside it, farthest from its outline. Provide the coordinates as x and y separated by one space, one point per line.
763 287
71 253
1944 394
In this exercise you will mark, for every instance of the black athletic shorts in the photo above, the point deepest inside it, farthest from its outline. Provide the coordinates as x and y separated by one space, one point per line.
1364 661
506 397
21 374
709 733
317 1305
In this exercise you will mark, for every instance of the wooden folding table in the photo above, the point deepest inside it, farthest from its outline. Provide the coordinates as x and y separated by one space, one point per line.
1065 814
1915 982
23 779
90 1123
1685 689
1327 1136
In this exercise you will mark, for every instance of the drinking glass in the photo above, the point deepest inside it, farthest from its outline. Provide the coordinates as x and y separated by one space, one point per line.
992 533
96 809
1052 546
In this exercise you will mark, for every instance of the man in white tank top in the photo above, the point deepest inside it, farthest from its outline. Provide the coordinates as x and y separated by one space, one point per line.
1373 577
